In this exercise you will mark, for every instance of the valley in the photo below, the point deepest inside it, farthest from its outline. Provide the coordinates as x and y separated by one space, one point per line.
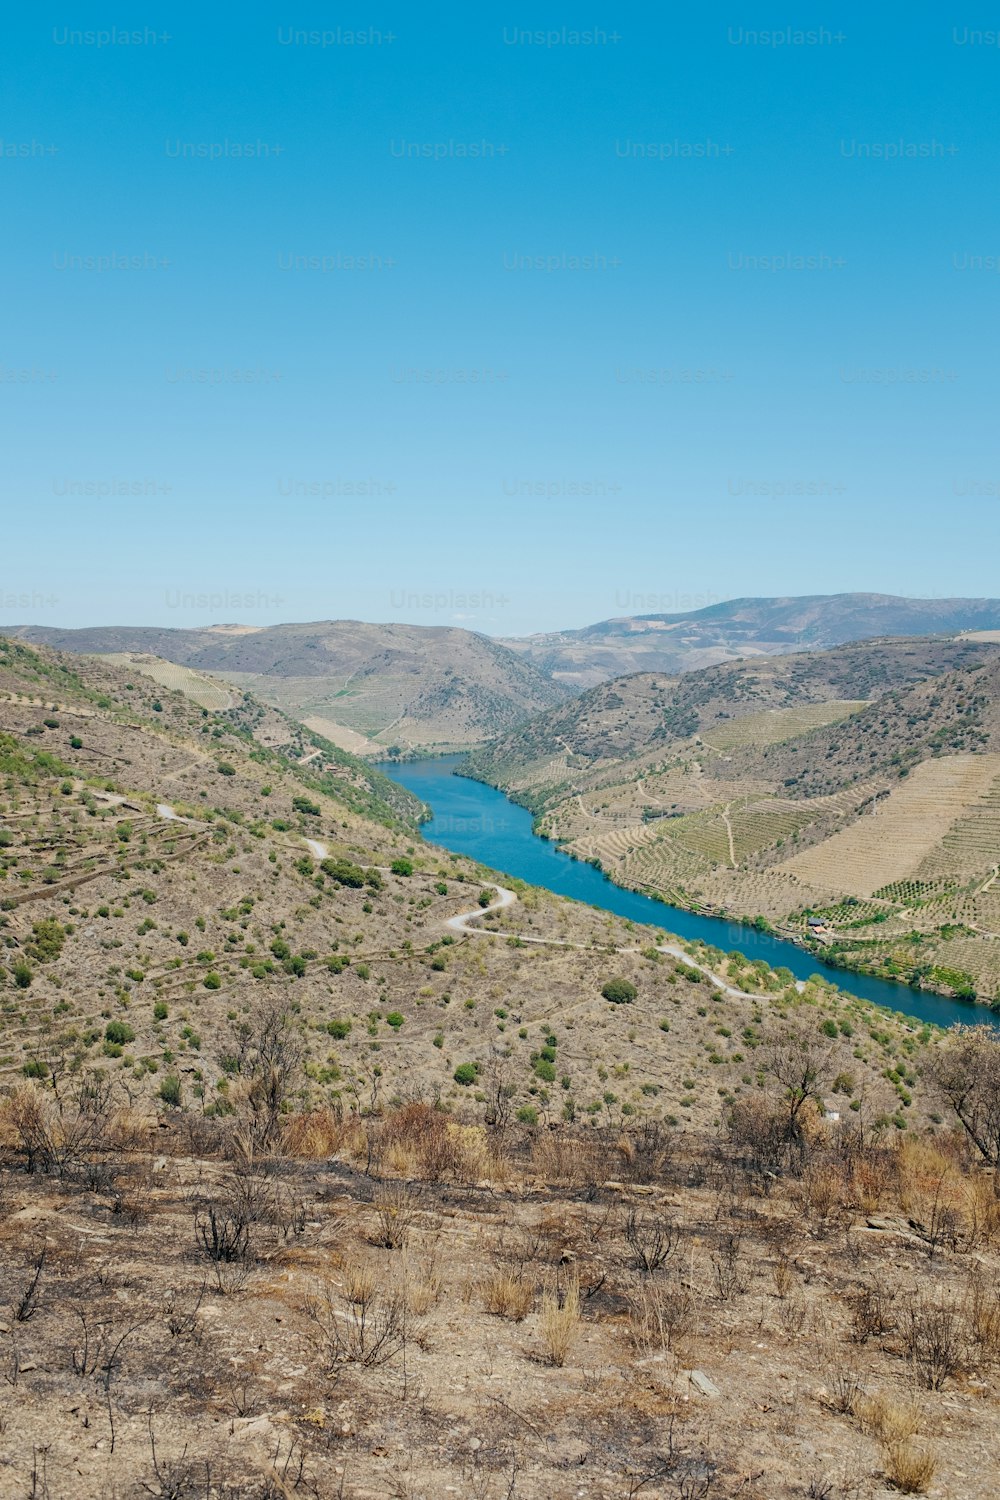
863 829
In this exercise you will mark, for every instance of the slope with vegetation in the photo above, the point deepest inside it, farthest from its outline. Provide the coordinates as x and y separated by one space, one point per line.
325 1171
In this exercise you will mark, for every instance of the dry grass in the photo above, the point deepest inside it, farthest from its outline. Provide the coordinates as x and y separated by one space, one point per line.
507 1296
885 1417
909 1469
360 1284
559 1323
321 1133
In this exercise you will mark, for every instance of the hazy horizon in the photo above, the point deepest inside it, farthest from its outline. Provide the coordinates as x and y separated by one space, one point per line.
245 625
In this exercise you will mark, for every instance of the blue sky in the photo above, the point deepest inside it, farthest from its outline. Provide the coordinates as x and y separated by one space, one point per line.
509 332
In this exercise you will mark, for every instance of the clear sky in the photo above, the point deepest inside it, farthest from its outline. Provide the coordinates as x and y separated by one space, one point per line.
489 328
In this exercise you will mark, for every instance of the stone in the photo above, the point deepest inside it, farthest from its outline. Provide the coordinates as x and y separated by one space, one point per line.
702 1384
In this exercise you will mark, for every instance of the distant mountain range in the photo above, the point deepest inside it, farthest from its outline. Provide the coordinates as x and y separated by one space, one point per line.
373 687
743 627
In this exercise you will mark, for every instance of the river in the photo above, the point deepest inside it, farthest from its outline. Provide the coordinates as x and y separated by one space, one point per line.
477 820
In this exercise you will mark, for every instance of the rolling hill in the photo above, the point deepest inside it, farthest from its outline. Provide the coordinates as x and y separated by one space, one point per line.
366 687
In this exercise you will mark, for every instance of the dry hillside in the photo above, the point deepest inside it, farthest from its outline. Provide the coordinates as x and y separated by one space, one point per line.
377 686
331 1168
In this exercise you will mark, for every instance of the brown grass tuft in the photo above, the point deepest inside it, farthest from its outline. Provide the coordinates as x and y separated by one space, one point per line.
909 1469
560 1322
507 1296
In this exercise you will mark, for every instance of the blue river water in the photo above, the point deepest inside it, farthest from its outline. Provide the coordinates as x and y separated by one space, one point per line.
477 820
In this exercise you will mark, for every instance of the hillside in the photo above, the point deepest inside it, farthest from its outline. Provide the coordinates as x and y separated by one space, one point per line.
867 827
330 1167
366 687
675 643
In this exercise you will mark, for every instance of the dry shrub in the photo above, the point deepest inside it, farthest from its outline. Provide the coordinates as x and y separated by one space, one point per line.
821 1191
873 1312
647 1151
507 1295
871 1179
731 1267
559 1157
982 1208
920 1166
982 1314
846 1391
935 1337
933 1192
651 1239
660 1313
559 1323
784 1277
890 1420
369 1332
29 1124
318 1133
396 1209
420 1141
423 1287
472 1154
757 1131
360 1284
909 1469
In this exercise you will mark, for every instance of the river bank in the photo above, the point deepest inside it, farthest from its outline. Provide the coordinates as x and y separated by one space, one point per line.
828 955
473 818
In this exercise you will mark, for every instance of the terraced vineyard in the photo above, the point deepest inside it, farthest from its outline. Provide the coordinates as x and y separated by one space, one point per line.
907 835
206 691
780 724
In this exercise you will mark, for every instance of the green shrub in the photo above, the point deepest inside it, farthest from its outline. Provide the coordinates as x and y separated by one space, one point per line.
343 872
395 1019
619 991
306 807
160 1011
23 974
339 1030
212 981
402 866
466 1073
225 769
170 1090
528 1114
119 1032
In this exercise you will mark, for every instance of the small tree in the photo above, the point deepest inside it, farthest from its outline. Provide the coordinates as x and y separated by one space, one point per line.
265 1052
800 1059
966 1071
